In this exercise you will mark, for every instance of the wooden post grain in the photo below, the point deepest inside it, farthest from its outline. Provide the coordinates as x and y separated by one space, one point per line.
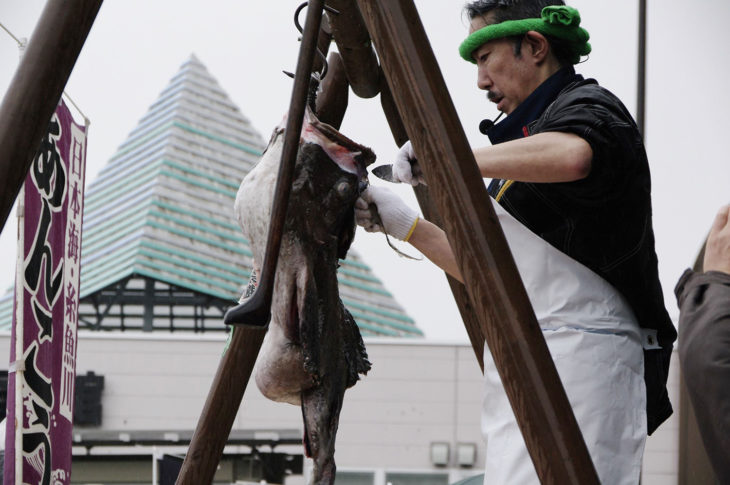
332 100
353 43
221 407
500 301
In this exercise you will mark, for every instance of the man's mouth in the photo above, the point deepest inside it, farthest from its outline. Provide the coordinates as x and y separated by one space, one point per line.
494 97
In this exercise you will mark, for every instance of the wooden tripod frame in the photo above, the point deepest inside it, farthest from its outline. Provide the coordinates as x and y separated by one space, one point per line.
493 302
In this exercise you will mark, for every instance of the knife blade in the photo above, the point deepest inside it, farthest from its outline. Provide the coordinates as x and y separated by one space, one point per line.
385 172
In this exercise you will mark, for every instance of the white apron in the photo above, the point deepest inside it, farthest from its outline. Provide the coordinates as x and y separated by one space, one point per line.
595 342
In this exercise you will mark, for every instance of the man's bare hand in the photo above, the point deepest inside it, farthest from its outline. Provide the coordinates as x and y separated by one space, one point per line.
717 252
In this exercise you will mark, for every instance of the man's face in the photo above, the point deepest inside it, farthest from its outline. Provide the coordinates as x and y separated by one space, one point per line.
508 79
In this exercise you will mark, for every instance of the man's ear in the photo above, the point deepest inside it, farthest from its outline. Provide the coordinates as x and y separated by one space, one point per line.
537 45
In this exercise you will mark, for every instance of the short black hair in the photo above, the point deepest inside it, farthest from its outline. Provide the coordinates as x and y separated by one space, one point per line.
517 10
508 9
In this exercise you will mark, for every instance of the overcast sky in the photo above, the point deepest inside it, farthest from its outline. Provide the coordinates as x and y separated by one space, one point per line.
136 46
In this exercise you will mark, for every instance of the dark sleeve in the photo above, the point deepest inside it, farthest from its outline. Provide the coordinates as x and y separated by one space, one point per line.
704 355
600 119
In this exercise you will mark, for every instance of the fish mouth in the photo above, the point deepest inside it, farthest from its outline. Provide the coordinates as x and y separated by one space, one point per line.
336 136
346 153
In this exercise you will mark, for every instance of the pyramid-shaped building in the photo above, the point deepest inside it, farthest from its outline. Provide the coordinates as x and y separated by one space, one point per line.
161 249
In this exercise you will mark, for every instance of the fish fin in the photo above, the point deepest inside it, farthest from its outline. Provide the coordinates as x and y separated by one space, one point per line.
310 332
355 353
305 438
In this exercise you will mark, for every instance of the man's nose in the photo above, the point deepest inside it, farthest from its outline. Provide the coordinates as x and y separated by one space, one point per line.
483 81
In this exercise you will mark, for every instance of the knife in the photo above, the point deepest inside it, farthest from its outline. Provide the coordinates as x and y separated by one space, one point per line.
385 172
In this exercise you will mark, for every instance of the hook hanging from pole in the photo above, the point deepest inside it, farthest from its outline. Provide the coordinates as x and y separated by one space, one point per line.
319 76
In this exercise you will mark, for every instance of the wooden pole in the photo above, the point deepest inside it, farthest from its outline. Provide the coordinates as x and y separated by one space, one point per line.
221 407
353 43
332 100
500 301
36 89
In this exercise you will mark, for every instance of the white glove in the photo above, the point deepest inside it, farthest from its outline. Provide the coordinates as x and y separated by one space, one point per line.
380 210
405 167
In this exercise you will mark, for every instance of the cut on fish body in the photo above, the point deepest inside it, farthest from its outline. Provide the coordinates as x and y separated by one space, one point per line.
313 350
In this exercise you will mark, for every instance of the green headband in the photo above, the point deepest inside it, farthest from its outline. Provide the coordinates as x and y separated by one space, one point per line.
558 21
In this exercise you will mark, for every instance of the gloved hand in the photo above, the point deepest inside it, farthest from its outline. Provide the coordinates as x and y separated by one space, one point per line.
717 250
405 167
380 210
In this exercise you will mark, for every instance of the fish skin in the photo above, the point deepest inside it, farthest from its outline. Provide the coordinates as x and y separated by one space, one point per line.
313 350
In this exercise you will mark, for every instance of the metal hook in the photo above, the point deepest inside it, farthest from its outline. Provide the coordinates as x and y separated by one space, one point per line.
301 7
325 67
296 16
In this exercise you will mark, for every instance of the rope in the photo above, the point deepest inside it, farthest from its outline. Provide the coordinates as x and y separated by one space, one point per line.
87 122
20 44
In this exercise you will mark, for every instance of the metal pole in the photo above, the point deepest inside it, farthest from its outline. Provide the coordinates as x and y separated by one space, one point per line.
641 75
526 368
36 88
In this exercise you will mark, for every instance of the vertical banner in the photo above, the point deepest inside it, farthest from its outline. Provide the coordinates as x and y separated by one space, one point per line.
39 427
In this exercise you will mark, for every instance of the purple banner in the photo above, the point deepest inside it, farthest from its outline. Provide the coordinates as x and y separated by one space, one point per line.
45 318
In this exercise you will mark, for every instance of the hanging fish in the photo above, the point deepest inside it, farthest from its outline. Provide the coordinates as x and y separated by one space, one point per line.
313 349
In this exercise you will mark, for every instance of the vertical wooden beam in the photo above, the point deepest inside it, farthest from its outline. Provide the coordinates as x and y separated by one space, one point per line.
500 301
332 100
353 42
36 88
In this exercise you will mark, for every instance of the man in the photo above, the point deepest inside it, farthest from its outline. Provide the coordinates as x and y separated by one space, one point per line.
704 343
569 168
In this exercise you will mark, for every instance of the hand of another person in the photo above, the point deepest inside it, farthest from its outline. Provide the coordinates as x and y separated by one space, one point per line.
717 251
405 167
380 210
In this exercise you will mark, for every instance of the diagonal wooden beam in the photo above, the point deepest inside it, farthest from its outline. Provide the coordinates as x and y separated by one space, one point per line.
428 208
528 373
221 406
36 89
